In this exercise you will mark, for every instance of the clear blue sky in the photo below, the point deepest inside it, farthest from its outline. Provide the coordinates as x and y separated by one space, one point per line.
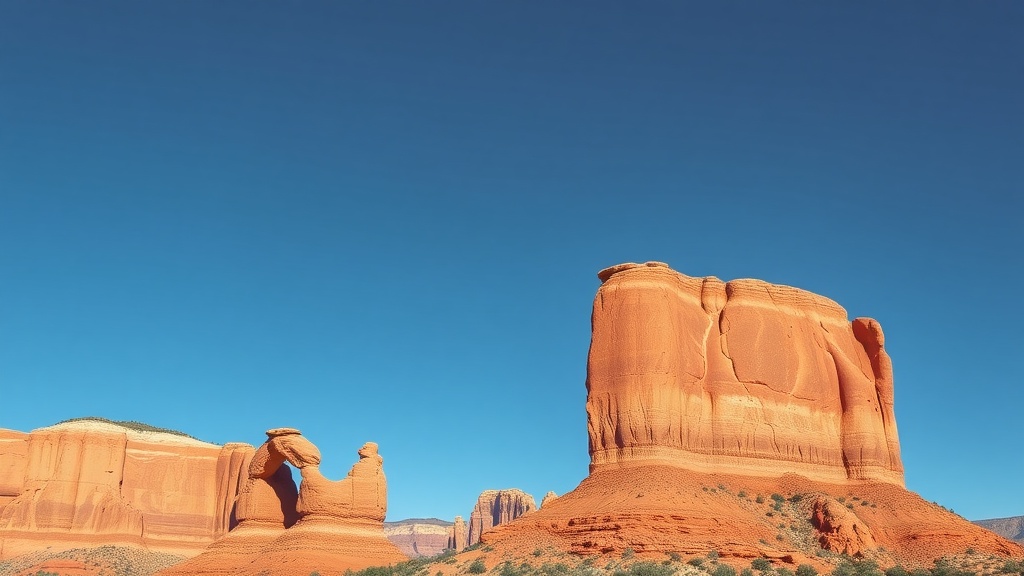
382 221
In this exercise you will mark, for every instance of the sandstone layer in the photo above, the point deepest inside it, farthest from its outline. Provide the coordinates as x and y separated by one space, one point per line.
548 498
325 526
417 537
91 483
743 377
495 507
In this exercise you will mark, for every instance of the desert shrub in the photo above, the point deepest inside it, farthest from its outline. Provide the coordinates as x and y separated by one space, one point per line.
1011 567
674 556
783 571
558 569
129 424
650 569
759 499
477 567
806 570
897 570
713 555
760 564
857 568
695 562
510 569
778 497
746 572
628 553
724 570
742 494
796 498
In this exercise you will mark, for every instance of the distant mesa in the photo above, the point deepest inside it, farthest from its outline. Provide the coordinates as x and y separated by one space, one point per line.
1011 528
419 537
458 535
325 526
706 397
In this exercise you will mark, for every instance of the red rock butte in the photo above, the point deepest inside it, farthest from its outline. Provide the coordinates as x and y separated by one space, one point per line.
740 377
704 397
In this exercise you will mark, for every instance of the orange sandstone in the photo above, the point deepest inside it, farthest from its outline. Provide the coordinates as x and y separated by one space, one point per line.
90 483
495 507
458 535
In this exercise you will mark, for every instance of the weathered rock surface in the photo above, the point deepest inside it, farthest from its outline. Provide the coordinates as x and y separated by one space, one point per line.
743 377
703 394
1011 528
92 483
548 498
417 537
495 507
327 527
458 535
840 530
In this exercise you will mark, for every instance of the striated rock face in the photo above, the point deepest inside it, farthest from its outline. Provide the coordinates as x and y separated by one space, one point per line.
495 507
419 536
742 377
90 483
548 498
326 526
458 535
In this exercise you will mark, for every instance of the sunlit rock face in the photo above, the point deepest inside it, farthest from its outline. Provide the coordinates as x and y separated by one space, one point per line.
91 483
741 377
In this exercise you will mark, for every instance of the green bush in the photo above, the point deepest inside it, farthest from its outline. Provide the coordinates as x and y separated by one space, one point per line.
783 571
778 497
650 569
477 567
746 572
674 556
695 562
759 499
713 555
760 564
724 570
857 568
897 570
806 570
628 553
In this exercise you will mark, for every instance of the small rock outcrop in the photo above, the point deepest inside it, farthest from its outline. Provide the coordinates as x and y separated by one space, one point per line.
91 482
326 526
840 530
418 537
458 535
495 507
548 498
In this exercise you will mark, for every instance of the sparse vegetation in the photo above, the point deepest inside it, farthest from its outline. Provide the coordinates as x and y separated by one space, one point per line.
724 570
477 567
760 564
628 553
129 424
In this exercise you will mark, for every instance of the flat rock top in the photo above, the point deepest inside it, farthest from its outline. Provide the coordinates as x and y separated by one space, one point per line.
152 437
273 432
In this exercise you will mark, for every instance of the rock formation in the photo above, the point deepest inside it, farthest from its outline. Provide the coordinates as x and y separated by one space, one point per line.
495 507
327 527
89 483
458 535
548 498
418 537
743 377
703 394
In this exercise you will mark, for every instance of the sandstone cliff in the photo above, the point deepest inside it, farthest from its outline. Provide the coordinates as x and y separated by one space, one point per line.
417 537
743 377
548 498
495 507
89 483
325 526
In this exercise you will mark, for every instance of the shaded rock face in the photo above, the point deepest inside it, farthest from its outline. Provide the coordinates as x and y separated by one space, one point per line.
90 483
419 537
495 507
741 377
325 526
458 535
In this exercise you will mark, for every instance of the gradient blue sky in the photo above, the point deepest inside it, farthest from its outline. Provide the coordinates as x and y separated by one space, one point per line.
382 221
